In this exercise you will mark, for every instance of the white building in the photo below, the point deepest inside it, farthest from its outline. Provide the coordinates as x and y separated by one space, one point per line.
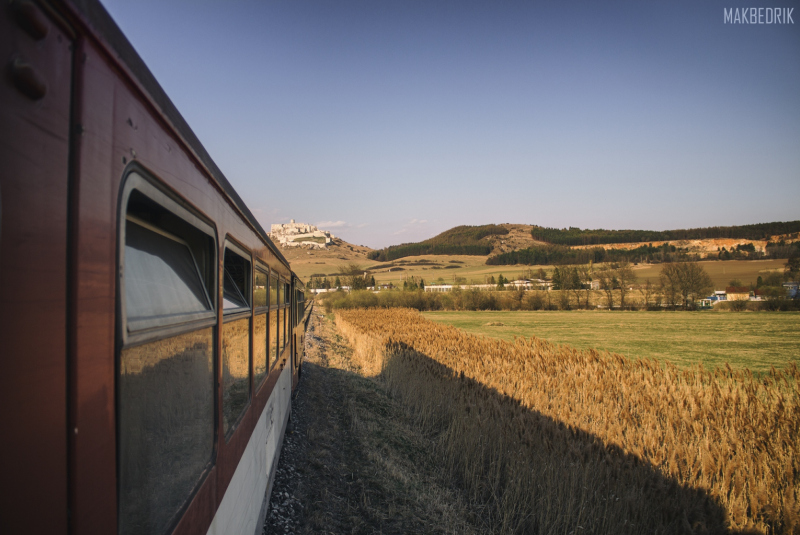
294 234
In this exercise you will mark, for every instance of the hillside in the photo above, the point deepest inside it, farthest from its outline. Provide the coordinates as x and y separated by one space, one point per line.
481 240
307 262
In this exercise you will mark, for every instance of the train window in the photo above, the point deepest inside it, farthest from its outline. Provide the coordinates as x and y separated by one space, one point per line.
279 328
165 383
260 289
273 290
273 319
273 336
259 348
260 294
235 337
236 281
162 283
286 293
235 372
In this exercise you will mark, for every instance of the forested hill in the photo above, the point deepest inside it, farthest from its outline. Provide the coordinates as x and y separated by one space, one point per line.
465 240
576 236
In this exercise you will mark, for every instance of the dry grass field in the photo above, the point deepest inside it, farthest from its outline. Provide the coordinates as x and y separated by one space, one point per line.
473 269
551 439
722 273
757 341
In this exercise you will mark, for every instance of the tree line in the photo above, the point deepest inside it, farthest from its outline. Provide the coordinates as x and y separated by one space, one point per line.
564 255
577 236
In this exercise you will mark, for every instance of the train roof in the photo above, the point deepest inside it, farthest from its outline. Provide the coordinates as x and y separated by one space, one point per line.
103 27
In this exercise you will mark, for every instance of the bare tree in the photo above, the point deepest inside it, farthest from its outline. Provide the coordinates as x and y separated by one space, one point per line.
694 282
647 292
608 281
686 281
625 277
670 284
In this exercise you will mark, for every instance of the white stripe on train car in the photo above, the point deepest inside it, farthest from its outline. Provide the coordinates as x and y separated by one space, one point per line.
242 509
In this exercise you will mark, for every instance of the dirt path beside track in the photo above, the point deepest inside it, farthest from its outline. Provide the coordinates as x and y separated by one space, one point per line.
353 461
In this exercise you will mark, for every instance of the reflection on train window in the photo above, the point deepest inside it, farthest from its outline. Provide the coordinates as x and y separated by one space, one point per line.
235 372
280 294
273 336
235 286
166 427
285 329
162 281
279 328
286 293
273 290
260 289
259 348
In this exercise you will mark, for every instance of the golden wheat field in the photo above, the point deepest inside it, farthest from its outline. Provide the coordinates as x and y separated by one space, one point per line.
550 439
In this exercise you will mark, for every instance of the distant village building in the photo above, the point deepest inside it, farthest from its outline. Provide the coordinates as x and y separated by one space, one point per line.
737 293
294 234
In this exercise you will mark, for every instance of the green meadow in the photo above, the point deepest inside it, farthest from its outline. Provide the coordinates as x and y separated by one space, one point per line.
754 340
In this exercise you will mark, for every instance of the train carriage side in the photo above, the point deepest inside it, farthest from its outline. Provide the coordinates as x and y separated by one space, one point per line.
149 327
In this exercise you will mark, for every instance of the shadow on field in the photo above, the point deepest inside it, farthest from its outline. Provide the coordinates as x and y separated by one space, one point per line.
534 474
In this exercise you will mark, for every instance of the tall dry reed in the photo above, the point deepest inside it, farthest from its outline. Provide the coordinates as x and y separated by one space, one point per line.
550 439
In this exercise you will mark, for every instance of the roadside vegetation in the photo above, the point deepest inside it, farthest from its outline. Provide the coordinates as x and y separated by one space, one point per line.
552 439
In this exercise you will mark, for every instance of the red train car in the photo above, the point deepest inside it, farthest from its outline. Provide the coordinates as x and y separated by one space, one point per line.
150 332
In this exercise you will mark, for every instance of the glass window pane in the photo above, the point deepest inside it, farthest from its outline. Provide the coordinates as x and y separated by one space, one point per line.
259 348
236 281
166 427
286 293
273 336
231 296
260 290
235 371
273 290
280 293
161 277
279 326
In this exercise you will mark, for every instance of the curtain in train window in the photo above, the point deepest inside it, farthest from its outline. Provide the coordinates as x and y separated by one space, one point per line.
235 338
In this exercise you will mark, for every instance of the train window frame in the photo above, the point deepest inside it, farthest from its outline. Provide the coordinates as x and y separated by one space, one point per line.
259 310
263 270
247 294
233 315
148 203
138 182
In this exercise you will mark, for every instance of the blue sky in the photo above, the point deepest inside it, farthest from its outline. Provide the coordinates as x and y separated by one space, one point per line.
390 121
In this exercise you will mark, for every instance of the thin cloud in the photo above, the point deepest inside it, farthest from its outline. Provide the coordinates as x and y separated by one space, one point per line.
413 224
332 224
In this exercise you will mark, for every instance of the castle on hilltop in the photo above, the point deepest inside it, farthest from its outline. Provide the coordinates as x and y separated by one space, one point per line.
300 235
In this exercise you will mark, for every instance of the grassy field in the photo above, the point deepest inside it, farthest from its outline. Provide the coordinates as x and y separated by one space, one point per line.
473 269
753 340
549 439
